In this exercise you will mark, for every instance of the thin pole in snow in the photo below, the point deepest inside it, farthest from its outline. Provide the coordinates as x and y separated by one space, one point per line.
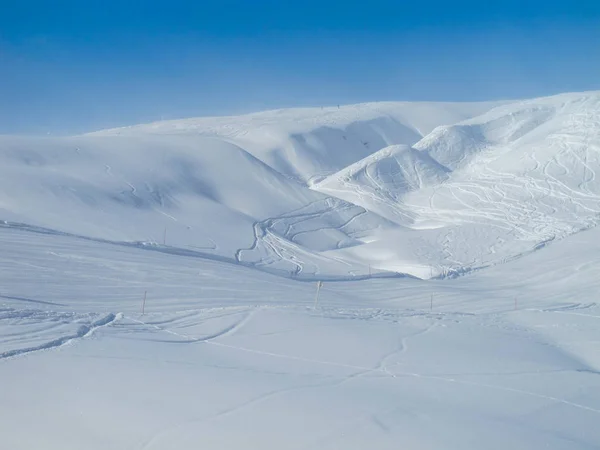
165 236
319 284
144 303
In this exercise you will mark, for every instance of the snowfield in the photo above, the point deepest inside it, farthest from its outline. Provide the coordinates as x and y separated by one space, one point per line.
158 282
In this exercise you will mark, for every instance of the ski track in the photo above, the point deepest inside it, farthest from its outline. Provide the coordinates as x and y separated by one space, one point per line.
283 248
149 443
84 331
236 260
222 333
541 203
519 177
382 370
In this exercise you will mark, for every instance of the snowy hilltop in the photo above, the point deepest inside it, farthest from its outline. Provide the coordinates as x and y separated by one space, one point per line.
333 193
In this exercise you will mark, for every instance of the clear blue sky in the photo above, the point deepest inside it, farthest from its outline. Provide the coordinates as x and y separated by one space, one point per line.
71 66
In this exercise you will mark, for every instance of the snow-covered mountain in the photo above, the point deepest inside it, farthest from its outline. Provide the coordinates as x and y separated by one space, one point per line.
194 194
310 143
507 182
153 290
324 193
233 188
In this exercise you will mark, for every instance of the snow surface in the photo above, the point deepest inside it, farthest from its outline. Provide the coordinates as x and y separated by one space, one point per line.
508 182
217 186
309 143
223 225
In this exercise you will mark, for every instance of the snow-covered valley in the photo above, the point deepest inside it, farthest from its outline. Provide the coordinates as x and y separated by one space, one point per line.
158 283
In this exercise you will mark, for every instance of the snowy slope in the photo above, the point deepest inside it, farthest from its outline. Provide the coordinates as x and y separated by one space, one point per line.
157 283
515 178
199 185
510 180
310 143
180 193
229 357
380 181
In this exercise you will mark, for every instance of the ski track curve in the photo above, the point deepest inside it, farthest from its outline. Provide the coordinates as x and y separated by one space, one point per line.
84 331
382 370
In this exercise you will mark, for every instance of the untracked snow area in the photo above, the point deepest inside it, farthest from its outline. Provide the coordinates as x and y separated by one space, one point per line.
309 143
158 283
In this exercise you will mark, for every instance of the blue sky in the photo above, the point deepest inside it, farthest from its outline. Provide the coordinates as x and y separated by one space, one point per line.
72 66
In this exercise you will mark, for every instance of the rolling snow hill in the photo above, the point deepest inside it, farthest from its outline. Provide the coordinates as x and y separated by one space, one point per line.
310 143
155 294
324 194
508 182
380 181
200 186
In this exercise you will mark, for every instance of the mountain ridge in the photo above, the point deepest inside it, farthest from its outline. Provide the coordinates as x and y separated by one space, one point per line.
331 193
